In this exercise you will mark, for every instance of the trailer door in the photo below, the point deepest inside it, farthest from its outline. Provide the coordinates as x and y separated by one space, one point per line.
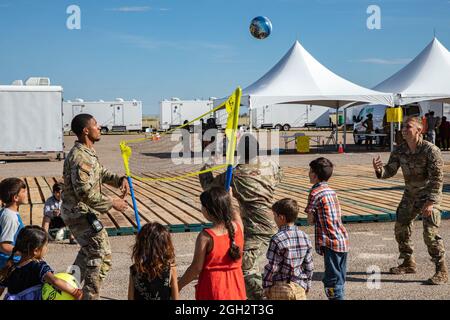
77 109
176 114
118 114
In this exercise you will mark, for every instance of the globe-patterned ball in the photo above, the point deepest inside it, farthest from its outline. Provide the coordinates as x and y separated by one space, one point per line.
260 27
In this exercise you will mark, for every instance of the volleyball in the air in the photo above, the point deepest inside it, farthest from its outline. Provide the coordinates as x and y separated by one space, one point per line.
50 293
261 27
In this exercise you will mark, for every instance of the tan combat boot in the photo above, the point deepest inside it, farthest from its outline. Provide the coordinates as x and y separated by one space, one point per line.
441 275
408 266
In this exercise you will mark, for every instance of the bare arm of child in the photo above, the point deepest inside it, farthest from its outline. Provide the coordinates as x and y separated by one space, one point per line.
46 223
193 271
63 286
130 288
175 294
6 247
1 291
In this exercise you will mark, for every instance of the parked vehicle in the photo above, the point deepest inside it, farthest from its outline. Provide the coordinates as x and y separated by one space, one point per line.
378 112
31 120
287 116
118 115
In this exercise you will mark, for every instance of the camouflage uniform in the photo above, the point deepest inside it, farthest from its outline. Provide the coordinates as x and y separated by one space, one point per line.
253 186
423 174
83 178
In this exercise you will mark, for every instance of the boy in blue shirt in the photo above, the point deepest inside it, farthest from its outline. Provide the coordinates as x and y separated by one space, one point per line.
13 193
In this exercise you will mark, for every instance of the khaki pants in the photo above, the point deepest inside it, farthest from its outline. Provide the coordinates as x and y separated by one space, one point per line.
94 257
285 291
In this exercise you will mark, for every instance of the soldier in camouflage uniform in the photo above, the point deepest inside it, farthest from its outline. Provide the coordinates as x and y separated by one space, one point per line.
422 168
83 178
253 185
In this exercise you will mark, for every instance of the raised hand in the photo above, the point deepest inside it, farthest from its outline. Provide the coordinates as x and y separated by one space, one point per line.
377 164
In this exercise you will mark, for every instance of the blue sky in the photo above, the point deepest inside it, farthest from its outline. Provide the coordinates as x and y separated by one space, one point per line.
150 50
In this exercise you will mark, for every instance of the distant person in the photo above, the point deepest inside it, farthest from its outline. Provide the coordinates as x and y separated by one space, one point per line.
332 242
24 279
387 131
52 221
217 261
368 124
432 124
84 203
288 273
444 132
425 126
153 275
423 170
13 193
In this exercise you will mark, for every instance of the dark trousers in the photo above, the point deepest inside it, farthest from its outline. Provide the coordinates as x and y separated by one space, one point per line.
335 273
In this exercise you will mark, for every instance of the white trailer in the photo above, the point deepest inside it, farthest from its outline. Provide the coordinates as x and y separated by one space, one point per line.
31 120
175 112
116 115
287 116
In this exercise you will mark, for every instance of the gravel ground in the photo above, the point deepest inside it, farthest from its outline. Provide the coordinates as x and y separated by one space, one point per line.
372 247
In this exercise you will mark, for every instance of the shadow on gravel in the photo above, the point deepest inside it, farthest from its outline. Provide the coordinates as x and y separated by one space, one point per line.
362 277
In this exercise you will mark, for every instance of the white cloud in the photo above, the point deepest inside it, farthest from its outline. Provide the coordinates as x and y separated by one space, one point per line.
131 9
385 61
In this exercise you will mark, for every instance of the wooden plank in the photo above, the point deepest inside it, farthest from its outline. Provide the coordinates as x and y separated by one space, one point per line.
173 198
37 214
144 213
124 226
44 187
30 182
159 214
25 213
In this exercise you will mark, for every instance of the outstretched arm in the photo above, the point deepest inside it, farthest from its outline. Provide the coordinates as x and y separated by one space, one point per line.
390 169
175 293
193 271
63 286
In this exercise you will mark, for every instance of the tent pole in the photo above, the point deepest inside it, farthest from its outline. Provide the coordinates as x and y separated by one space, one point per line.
345 128
337 127
392 136
250 118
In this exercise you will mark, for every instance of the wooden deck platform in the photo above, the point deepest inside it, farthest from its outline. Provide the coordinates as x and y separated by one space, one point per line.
176 204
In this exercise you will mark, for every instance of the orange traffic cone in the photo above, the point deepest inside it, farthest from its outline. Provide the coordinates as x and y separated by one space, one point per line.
341 148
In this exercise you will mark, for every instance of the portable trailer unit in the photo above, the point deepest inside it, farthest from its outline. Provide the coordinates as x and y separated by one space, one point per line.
175 112
118 115
31 121
287 116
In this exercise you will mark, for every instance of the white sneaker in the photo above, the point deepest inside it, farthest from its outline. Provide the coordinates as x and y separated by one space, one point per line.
60 235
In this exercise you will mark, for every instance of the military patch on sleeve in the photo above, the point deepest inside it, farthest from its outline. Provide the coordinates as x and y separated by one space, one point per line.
84 171
86 167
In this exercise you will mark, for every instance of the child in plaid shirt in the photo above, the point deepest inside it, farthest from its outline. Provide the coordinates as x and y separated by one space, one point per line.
331 240
288 274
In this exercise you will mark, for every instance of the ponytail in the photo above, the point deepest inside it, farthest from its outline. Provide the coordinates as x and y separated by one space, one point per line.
235 251
9 267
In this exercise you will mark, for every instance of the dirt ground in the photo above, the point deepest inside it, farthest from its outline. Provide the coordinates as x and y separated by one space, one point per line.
373 247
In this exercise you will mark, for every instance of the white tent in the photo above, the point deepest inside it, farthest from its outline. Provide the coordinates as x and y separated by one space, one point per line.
426 78
299 78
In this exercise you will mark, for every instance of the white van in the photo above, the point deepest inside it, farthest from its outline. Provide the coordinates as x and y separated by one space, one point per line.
378 111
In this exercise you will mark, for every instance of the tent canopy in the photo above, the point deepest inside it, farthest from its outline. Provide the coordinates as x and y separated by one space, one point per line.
299 78
426 78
